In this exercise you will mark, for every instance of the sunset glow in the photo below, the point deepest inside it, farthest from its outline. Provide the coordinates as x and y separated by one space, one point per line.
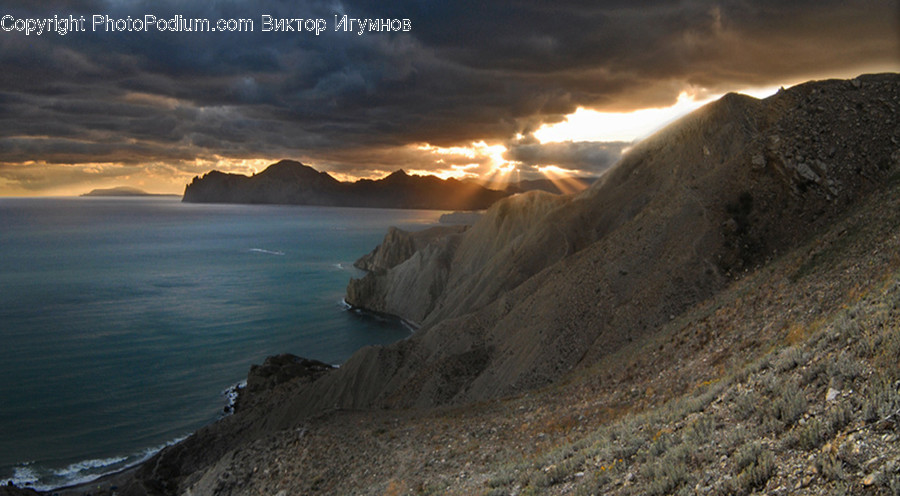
592 125
478 160
478 100
563 179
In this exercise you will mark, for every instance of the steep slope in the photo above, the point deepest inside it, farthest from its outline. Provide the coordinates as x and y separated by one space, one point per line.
784 383
290 182
544 287
411 289
408 289
692 208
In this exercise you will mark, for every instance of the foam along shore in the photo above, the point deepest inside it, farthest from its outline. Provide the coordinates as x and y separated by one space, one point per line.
80 476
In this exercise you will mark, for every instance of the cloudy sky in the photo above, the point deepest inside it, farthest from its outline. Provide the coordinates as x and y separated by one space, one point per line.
484 89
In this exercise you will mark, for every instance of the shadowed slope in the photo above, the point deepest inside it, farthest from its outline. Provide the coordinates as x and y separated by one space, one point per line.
541 284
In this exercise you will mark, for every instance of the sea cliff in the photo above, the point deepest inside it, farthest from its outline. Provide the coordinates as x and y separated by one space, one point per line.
544 283
708 315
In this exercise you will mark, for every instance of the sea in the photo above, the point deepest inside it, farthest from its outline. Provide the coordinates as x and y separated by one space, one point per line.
124 322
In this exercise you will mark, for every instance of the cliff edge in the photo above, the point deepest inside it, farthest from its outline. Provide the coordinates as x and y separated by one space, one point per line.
723 206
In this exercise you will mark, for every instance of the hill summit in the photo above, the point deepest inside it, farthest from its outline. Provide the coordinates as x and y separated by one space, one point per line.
291 182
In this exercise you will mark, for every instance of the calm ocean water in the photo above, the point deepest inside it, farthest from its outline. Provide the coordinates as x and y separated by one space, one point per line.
123 320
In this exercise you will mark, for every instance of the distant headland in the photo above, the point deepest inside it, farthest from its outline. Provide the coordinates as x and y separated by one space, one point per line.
121 191
290 182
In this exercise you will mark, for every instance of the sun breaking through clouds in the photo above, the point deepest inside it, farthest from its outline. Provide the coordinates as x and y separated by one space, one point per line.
492 90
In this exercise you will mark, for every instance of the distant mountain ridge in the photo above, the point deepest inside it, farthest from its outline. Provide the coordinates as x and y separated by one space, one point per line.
292 183
120 191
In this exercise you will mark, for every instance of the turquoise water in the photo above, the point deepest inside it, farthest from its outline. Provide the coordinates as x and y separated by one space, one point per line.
123 320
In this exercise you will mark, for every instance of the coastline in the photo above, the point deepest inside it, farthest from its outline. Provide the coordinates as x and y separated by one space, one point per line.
108 484
113 483
48 462
410 325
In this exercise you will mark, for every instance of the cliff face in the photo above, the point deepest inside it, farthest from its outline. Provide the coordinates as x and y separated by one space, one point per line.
543 285
407 272
290 182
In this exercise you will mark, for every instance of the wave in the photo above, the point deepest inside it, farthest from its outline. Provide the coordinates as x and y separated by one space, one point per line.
267 252
231 396
25 475
35 476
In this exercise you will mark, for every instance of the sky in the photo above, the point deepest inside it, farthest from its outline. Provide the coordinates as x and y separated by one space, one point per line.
493 90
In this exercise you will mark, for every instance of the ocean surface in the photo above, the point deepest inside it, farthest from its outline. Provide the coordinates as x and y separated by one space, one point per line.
124 320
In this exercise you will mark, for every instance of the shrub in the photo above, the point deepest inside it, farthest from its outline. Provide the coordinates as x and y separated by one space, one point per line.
699 432
506 477
881 399
746 455
669 472
790 405
844 368
789 358
745 405
838 417
754 466
809 436
831 467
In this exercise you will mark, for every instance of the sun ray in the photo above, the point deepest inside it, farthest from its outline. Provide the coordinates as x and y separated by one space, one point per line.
564 179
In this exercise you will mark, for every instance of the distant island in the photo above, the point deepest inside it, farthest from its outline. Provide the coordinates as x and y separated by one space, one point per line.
291 182
121 191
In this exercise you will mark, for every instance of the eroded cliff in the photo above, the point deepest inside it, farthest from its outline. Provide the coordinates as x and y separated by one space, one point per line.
542 285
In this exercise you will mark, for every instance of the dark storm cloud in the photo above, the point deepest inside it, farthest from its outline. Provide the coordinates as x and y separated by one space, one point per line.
468 71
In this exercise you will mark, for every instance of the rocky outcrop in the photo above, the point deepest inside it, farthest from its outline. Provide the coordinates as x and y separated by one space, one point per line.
542 284
407 272
277 370
399 245
10 490
290 182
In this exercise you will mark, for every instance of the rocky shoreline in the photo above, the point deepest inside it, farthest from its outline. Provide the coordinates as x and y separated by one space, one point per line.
678 327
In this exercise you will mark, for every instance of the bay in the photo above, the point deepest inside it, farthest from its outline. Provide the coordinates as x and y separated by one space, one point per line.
123 320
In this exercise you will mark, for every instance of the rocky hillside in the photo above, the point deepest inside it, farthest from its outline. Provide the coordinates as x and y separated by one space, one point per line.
717 314
290 182
543 283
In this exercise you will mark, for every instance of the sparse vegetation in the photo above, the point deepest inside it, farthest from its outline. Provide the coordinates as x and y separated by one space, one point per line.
810 400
